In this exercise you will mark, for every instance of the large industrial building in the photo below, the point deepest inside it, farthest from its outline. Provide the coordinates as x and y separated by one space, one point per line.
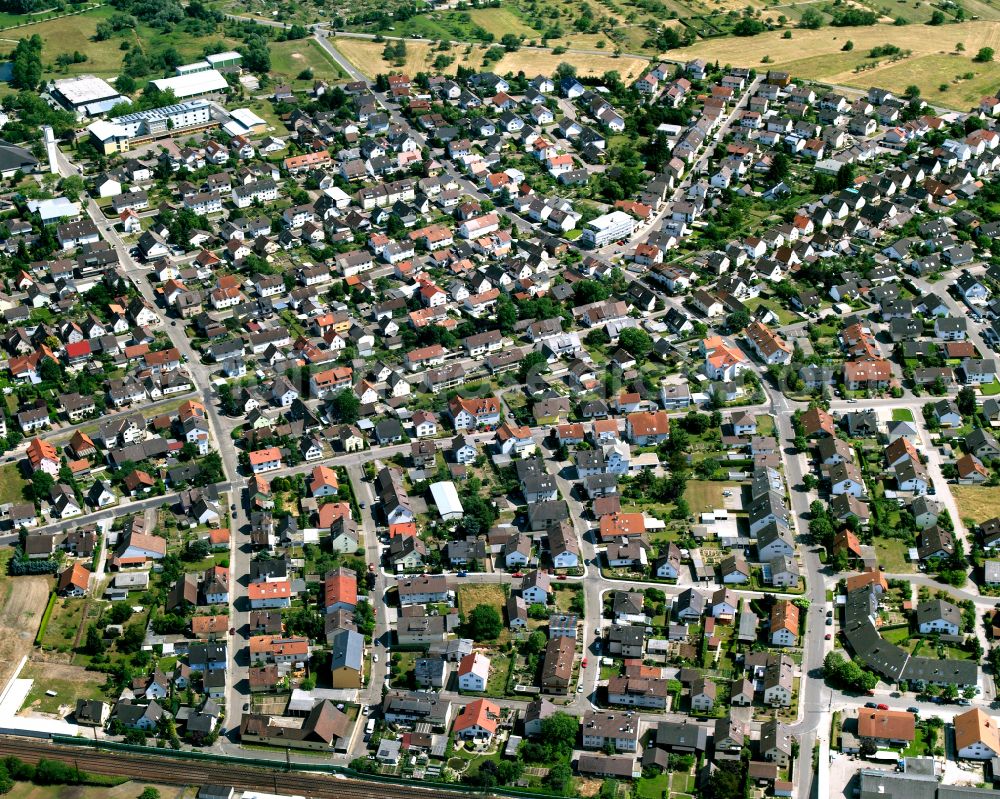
193 84
224 62
86 95
118 134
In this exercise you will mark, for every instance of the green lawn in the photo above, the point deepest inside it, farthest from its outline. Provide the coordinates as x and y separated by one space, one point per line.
654 787
681 782
289 59
891 554
765 425
990 389
920 744
706 495
896 635
564 599
68 684
67 614
496 685
902 415
11 484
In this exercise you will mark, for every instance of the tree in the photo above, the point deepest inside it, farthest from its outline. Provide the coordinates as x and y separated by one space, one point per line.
484 623
534 644
506 313
636 342
94 643
560 777
125 84
346 406
588 291
725 782
966 401
26 70
510 42
845 176
984 56
848 46
811 19
132 638
6 783
559 732
781 165
364 617
937 18
532 363
738 320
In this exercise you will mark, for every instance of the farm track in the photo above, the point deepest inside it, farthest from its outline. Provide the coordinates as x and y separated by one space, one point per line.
173 771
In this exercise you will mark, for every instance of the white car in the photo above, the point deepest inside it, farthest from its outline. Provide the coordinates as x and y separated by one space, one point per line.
375 658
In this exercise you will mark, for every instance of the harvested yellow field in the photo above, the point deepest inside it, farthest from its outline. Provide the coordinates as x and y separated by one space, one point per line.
978 503
921 39
367 56
533 62
929 73
817 54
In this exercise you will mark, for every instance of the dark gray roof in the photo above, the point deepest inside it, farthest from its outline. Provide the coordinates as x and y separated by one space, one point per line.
682 735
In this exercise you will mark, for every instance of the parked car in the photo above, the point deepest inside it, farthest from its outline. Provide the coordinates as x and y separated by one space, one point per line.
882 706
872 705
913 709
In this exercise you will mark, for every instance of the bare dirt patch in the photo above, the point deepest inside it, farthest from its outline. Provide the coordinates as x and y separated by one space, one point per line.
22 603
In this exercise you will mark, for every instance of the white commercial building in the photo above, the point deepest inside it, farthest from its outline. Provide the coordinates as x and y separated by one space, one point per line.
115 136
193 84
447 501
86 95
607 228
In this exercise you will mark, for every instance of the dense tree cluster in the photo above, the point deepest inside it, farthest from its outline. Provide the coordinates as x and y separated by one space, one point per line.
846 674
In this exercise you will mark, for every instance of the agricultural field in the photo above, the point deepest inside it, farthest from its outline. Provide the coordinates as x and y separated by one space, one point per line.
366 55
817 54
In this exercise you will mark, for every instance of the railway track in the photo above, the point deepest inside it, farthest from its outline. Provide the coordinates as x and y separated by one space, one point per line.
173 771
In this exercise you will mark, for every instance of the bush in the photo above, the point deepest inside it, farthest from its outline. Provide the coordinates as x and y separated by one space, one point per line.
45 619
984 56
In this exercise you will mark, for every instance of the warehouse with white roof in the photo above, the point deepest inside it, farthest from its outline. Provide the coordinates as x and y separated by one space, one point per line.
194 84
86 95
446 499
